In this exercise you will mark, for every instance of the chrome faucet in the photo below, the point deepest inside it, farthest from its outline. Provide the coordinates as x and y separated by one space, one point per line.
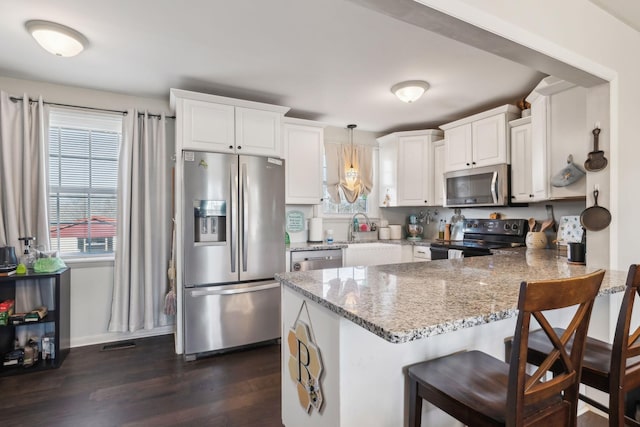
351 230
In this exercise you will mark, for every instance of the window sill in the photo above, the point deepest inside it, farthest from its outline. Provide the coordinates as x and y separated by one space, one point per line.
89 262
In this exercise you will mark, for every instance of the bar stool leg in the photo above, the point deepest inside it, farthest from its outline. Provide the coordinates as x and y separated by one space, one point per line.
415 405
616 407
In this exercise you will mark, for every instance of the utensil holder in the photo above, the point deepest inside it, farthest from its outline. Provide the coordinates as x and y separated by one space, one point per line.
576 253
536 240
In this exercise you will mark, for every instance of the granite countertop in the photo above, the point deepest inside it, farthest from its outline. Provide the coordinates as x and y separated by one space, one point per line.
405 302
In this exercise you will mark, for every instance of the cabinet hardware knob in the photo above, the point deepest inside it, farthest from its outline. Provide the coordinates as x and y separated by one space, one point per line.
473 163
231 146
239 147
530 195
468 164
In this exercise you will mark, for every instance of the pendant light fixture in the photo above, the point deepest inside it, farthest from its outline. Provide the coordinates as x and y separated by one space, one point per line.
351 173
57 39
410 91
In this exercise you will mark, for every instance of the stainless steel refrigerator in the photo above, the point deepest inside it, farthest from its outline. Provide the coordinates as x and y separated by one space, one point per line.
233 228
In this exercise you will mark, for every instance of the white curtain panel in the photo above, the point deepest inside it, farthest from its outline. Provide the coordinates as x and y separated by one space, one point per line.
143 245
23 176
339 157
23 183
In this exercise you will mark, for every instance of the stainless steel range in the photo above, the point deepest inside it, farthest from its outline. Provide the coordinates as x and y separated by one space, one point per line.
482 235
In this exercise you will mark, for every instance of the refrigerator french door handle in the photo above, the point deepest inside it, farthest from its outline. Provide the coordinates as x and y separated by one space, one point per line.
232 192
245 220
201 293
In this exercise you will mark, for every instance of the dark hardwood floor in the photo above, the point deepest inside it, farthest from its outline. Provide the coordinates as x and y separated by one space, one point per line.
149 385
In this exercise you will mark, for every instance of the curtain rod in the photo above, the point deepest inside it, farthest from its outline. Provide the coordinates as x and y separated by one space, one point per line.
124 113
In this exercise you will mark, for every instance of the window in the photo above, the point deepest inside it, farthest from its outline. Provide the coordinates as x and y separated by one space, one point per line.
343 207
83 171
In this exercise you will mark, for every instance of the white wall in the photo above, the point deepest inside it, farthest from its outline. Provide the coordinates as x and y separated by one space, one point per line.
83 97
92 281
581 34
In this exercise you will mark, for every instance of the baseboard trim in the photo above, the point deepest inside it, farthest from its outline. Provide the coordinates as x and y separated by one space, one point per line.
121 336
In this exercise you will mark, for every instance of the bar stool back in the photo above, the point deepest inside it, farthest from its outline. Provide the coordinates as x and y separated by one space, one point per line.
613 369
480 390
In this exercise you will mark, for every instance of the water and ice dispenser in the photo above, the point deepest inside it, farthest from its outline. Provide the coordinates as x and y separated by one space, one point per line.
210 222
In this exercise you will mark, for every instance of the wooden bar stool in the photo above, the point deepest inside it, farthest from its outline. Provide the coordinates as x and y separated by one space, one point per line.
480 390
613 369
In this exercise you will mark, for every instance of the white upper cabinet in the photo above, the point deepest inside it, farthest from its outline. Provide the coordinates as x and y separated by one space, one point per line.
258 132
207 126
529 181
559 129
303 149
478 140
226 125
438 172
406 168
458 148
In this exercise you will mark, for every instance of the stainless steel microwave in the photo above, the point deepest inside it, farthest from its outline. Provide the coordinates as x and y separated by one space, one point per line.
484 186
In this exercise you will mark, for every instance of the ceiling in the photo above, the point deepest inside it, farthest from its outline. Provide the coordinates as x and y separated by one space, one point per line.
329 60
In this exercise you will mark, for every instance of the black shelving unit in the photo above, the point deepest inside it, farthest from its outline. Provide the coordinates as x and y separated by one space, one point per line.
58 315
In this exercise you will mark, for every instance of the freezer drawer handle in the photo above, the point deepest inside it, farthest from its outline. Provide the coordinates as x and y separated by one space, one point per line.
201 293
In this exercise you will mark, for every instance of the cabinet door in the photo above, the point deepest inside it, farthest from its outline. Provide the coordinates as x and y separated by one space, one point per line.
207 126
489 141
438 173
521 163
258 132
539 147
458 148
413 165
303 147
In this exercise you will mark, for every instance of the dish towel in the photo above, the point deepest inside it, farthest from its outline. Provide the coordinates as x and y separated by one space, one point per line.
455 253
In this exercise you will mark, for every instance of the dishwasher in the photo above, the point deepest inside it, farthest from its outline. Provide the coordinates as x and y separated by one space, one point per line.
316 259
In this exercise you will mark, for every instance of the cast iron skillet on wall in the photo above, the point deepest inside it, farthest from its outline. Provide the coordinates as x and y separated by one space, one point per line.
596 217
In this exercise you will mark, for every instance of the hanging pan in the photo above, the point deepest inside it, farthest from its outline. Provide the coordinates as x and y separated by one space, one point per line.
596 217
596 161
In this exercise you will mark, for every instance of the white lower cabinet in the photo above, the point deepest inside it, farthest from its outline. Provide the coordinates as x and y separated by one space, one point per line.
421 253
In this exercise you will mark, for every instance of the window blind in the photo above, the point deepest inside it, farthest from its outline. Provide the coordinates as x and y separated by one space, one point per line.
83 170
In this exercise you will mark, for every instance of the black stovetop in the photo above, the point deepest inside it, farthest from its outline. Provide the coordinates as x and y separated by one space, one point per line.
489 234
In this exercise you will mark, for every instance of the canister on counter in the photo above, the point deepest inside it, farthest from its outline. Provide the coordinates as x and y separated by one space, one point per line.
383 233
395 231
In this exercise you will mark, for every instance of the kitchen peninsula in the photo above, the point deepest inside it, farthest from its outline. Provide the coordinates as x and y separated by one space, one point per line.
369 323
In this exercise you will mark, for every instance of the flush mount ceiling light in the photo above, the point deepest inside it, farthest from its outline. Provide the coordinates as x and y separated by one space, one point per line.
56 38
410 91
